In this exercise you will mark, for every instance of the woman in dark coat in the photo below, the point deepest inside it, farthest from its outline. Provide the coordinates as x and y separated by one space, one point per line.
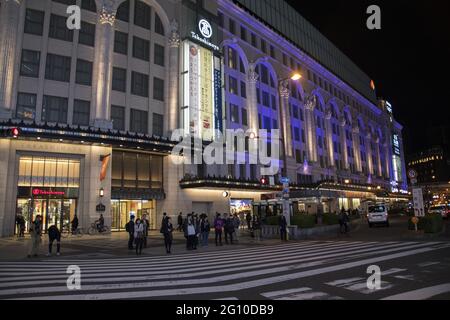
167 230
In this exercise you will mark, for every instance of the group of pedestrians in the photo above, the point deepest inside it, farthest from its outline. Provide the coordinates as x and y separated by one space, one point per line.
196 230
54 234
137 233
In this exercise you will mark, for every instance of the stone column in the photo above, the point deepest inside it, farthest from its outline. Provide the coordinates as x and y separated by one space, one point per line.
356 148
343 139
369 153
103 63
379 165
285 118
9 23
252 100
172 118
329 134
310 124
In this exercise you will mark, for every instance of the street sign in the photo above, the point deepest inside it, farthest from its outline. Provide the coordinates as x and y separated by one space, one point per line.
412 174
285 180
419 210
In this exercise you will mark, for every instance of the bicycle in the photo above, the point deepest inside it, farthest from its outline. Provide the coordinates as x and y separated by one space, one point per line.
67 231
94 230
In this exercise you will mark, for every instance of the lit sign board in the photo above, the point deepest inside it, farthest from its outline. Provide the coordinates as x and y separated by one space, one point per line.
396 144
40 192
206 32
389 107
202 85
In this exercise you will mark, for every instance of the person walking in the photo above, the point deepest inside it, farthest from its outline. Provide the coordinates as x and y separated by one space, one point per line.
54 234
205 228
139 236
167 230
282 223
236 224
229 229
218 229
191 234
146 224
185 230
129 227
249 220
19 222
256 228
343 221
74 224
36 233
180 222
197 231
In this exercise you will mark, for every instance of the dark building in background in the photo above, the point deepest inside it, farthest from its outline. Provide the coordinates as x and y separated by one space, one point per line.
432 166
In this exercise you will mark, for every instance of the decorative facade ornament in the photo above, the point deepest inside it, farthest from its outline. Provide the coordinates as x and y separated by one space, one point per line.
342 121
284 89
311 102
108 14
174 39
328 115
252 74
15 1
355 128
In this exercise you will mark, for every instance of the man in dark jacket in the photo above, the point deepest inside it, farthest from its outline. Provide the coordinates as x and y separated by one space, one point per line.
54 234
283 227
74 224
229 229
130 229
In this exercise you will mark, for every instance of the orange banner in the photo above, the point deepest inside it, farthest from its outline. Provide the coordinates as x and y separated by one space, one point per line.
105 163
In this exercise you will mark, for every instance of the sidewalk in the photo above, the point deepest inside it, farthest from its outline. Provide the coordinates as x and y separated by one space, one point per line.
116 245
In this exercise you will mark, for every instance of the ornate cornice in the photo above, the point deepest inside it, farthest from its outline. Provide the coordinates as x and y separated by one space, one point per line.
252 75
174 39
284 89
108 13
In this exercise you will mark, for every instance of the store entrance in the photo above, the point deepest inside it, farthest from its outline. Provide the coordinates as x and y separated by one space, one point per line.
58 212
122 210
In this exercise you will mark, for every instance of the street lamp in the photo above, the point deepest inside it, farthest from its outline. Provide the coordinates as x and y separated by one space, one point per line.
295 76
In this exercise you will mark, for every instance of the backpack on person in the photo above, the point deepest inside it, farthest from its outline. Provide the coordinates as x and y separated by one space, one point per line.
127 227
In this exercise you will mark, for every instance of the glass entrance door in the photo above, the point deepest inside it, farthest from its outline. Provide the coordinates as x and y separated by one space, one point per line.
40 208
54 213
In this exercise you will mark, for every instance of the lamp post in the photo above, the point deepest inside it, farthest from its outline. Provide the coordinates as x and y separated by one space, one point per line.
284 93
284 111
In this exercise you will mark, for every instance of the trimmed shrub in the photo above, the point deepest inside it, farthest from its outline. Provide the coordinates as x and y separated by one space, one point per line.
304 221
330 219
433 223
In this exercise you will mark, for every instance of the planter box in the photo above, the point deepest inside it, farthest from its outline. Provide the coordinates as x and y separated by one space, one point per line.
296 233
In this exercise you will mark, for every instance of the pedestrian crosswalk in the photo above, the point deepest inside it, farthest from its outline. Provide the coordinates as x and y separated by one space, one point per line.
213 275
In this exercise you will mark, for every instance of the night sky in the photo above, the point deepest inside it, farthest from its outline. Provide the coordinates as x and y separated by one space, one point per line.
409 59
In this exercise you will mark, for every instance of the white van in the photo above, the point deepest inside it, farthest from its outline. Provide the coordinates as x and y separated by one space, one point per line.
378 214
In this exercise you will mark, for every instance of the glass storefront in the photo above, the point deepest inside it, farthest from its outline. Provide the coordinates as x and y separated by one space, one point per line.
48 187
122 210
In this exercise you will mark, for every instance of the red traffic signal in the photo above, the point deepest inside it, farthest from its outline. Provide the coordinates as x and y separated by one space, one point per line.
15 132
264 181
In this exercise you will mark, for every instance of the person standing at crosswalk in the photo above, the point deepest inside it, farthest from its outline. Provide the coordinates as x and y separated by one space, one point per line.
146 224
282 223
36 233
167 230
218 228
139 236
129 227
256 227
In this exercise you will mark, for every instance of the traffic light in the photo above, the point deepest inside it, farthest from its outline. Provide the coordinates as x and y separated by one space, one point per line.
264 181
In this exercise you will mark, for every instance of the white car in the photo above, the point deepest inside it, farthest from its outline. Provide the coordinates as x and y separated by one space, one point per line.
442 209
378 214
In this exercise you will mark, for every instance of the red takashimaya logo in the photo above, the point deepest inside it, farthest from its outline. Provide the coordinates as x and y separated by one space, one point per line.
40 192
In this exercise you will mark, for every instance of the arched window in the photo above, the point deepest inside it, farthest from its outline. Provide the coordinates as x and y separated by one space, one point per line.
159 27
267 97
142 14
89 5
123 12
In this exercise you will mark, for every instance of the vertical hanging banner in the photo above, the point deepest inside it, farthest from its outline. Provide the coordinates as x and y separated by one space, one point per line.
206 94
194 59
218 124
105 163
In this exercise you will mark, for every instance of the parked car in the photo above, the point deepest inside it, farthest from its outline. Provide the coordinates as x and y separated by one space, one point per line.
378 215
442 209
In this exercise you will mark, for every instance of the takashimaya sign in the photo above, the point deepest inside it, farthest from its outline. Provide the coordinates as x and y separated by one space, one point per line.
206 32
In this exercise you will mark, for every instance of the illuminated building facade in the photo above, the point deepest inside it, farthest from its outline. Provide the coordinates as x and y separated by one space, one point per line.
96 108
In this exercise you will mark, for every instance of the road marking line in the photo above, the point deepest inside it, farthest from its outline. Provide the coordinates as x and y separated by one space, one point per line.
231 287
421 294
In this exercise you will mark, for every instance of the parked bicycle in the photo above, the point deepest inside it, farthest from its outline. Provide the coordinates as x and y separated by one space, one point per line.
96 229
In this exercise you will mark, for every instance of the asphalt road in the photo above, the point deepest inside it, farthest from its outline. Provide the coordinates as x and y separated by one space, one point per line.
413 267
